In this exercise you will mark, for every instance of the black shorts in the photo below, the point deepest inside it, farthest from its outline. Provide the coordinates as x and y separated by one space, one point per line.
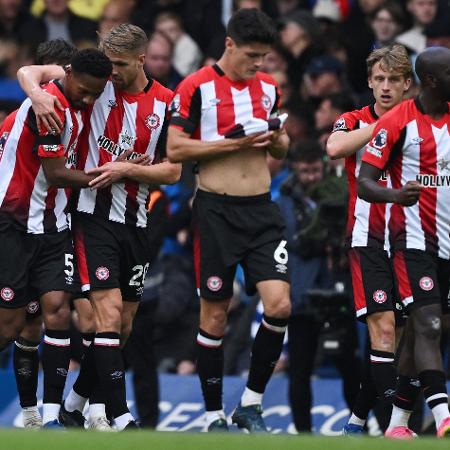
110 255
231 230
373 281
32 265
422 279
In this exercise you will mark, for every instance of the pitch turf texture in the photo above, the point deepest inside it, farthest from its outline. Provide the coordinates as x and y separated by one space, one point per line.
136 440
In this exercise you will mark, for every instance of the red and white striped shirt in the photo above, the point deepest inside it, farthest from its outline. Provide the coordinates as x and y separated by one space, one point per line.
413 146
120 122
366 222
209 106
26 199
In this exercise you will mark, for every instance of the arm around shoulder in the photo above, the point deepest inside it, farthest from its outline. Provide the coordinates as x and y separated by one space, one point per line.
30 77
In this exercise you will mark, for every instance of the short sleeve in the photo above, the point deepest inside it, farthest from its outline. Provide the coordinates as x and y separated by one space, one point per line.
185 108
47 145
277 104
384 138
346 122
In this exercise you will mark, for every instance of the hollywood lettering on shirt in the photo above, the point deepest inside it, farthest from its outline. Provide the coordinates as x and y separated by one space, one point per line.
126 144
433 181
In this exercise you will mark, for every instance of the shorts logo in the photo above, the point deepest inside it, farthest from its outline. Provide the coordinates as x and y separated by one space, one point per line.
7 294
426 283
266 102
102 273
380 296
32 307
152 121
380 140
214 283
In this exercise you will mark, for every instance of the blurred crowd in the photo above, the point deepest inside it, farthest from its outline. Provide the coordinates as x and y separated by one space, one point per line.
319 64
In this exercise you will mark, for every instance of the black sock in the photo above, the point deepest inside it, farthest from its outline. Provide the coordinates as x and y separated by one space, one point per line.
367 394
210 369
87 377
111 373
383 373
266 351
407 391
26 369
434 388
55 362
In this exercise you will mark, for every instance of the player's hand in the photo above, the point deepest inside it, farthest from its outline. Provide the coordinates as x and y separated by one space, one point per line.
409 194
44 106
109 173
257 140
142 160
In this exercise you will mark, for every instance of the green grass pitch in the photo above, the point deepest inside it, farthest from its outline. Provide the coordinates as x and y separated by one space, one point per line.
137 440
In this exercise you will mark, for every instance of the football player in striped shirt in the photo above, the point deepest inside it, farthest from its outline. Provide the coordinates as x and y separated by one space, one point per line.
214 116
389 77
36 169
110 222
412 141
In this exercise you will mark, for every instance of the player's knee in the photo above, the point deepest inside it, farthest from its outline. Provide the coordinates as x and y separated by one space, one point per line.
280 309
86 325
57 317
109 320
32 331
125 333
427 323
384 335
215 322
9 332
429 328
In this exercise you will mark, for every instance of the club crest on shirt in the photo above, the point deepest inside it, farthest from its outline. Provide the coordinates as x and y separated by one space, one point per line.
266 102
3 139
152 121
380 140
340 125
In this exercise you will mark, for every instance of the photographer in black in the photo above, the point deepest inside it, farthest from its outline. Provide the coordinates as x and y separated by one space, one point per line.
313 204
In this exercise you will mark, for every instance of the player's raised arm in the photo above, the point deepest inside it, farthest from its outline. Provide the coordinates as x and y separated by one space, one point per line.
43 103
342 143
